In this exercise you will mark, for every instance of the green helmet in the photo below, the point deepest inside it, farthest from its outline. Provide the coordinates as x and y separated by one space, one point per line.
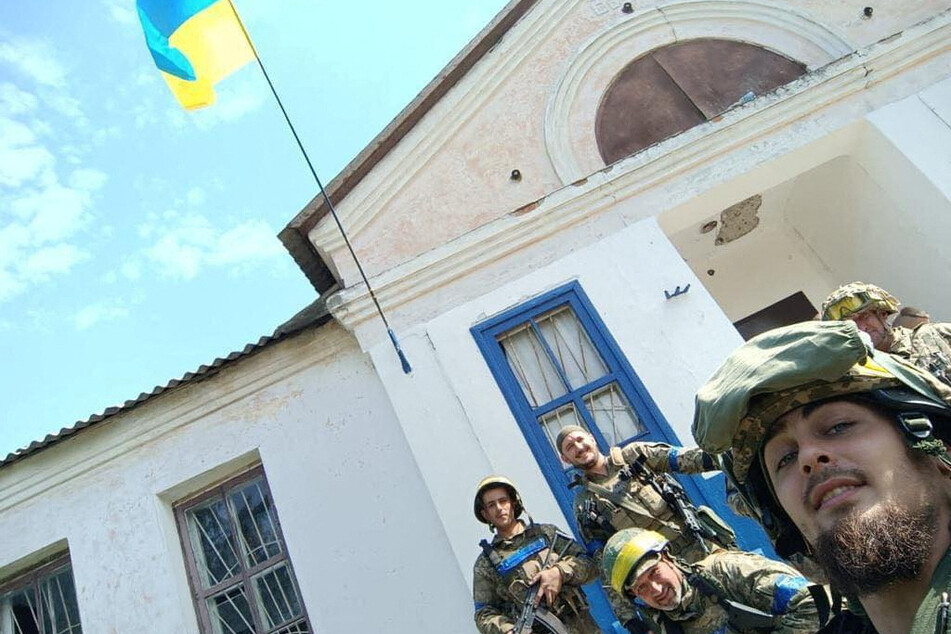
629 553
786 368
857 297
492 482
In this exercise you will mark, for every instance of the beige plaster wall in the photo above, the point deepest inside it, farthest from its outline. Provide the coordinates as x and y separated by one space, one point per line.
451 173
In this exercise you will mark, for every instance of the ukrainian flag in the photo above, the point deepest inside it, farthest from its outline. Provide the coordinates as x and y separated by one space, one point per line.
195 43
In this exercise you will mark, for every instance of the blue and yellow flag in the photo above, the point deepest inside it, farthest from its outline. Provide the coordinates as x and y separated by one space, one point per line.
195 43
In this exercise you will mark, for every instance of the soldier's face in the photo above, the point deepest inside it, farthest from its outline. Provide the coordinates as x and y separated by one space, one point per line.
872 322
837 459
497 508
580 450
660 587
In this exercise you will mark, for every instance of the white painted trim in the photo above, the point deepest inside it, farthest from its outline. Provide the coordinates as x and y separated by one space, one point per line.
126 432
590 72
701 145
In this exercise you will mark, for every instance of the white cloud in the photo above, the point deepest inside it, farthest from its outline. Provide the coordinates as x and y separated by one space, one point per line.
23 165
55 212
14 133
131 270
185 244
251 241
195 196
93 314
34 58
15 101
121 11
87 179
48 261
234 99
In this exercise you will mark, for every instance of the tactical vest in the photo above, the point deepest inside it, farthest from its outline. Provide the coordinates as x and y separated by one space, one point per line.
634 504
516 568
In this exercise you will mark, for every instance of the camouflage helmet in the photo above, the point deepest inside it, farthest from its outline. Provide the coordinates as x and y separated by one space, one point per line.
786 368
629 553
855 298
492 482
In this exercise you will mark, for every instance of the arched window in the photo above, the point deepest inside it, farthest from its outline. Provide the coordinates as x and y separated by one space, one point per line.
676 87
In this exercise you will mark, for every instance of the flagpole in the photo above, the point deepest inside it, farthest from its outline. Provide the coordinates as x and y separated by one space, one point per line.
333 212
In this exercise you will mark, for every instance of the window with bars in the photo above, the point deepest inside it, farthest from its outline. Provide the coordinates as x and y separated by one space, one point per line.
557 364
240 574
41 601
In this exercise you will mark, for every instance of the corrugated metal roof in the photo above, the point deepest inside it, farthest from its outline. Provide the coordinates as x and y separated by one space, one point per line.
316 314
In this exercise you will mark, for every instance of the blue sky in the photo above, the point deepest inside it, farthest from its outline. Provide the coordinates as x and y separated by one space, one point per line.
138 241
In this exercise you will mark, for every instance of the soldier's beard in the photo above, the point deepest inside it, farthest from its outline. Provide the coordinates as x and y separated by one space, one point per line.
865 553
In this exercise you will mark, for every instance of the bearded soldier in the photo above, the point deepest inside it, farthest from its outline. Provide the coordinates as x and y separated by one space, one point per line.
520 555
927 345
726 591
841 451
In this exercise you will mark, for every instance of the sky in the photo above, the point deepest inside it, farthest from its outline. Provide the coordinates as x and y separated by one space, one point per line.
139 241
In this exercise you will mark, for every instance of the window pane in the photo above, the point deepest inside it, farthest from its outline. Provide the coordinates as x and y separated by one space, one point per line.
212 540
553 421
257 529
612 414
570 344
60 611
18 612
295 628
531 365
276 597
230 612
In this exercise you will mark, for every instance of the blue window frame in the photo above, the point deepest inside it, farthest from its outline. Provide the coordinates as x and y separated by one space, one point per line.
558 382
579 375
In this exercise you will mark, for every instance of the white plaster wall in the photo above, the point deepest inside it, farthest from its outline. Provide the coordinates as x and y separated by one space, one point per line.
454 414
367 548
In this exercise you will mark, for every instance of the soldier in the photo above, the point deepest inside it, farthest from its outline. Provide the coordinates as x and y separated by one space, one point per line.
928 345
521 555
840 449
910 317
726 591
612 498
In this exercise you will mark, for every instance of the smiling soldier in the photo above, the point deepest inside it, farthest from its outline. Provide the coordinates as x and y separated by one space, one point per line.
840 450
726 591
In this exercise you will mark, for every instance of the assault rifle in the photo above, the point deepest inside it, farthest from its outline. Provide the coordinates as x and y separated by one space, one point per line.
673 493
532 612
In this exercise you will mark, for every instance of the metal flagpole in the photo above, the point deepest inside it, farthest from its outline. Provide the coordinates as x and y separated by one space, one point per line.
333 212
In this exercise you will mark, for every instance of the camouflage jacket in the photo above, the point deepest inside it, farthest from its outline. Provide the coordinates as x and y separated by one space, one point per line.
746 578
599 518
928 346
654 513
498 590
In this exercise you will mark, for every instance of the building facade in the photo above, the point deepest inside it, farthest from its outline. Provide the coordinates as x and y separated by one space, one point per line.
575 222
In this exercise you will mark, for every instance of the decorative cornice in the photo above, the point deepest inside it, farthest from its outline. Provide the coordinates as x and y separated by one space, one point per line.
670 159
127 432
767 25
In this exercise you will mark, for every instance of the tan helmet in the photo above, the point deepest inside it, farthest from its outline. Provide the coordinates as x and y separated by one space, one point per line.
491 482
857 297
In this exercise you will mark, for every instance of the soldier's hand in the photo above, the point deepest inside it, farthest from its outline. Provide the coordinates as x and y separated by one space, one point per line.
549 585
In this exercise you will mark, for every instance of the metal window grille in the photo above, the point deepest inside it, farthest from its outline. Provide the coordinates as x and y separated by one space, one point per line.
41 601
241 577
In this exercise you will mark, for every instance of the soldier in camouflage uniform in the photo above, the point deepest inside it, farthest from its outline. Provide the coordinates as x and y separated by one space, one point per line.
842 451
608 501
726 591
518 557
928 345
